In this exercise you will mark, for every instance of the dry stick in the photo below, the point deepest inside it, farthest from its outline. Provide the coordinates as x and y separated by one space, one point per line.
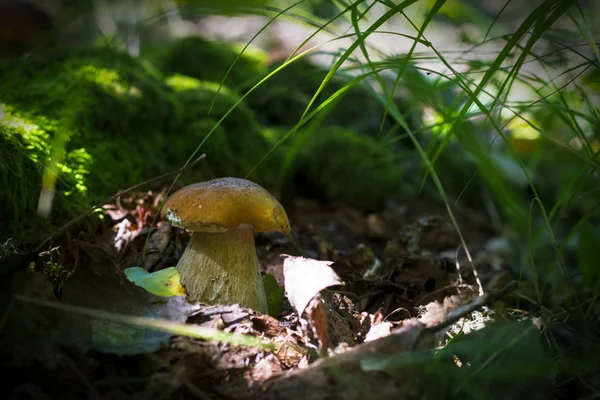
475 273
460 312
114 197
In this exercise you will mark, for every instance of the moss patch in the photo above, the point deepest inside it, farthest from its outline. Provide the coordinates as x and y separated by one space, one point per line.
90 122
237 144
343 165
103 121
209 61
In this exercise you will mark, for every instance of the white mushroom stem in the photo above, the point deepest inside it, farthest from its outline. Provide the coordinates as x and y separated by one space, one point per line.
222 268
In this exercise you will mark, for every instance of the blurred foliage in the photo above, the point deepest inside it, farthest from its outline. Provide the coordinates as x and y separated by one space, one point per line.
236 144
209 61
282 99
503 360
220 7
103 108
338 164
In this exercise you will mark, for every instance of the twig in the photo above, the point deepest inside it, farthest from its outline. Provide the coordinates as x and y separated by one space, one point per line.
114 197
475 274
460 280
460 312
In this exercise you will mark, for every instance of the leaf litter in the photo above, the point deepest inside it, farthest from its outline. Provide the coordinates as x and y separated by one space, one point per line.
355 284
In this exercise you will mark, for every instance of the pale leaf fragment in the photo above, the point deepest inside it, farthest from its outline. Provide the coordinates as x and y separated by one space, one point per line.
304 278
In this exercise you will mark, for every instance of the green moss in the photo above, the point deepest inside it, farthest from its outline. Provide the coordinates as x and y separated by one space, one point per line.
209 61
346 166
237 144
103 121
24 152
93 103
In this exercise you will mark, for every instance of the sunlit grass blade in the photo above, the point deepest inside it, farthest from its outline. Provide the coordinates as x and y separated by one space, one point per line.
163 325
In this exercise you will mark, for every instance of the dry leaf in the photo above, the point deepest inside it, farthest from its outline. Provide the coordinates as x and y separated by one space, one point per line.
317 319
305 278
378 331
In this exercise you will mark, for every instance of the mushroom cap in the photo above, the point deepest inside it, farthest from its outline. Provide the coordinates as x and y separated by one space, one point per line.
225 203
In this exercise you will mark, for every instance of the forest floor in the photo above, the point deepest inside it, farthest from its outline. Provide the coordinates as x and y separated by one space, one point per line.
407 284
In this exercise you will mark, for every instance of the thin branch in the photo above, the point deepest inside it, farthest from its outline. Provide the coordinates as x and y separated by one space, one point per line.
460 312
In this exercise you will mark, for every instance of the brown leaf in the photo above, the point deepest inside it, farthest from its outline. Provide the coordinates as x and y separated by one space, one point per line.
268 325
378 316
266 368
289 352
317 320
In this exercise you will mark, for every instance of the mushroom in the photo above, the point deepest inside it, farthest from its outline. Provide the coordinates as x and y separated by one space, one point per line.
219 265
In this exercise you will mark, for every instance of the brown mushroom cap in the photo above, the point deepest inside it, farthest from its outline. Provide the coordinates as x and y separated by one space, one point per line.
225 203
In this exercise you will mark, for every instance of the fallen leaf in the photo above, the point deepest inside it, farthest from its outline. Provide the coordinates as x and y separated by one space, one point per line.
165 283
268 326
266 368
317 319
289 352
305 278
378 331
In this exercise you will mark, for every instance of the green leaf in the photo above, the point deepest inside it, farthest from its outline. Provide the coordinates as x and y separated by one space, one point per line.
587 257
275 294
163 283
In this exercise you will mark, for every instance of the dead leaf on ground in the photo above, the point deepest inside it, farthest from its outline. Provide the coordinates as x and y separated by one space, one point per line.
317 320
305 278
379 327
266 368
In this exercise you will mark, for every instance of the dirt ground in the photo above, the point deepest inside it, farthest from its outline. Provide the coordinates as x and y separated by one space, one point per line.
407 283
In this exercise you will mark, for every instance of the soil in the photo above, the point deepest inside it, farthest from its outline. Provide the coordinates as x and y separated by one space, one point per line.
399 268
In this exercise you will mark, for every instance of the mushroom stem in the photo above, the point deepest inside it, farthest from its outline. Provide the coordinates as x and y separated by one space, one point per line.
222 268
